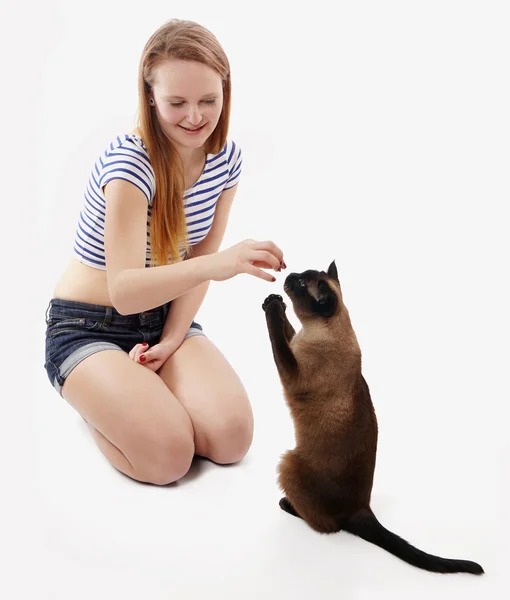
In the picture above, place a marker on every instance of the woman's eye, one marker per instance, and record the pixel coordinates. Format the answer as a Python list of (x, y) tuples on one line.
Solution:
[(178, 104)]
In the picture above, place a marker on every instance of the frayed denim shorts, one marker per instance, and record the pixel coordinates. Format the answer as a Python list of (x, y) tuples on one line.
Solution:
[(75, 330)]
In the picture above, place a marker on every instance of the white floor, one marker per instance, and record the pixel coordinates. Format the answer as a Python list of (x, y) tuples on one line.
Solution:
[(219, 532), (383, 143)]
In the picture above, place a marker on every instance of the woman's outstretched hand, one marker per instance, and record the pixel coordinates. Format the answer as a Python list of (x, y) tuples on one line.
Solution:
[(249, 257)]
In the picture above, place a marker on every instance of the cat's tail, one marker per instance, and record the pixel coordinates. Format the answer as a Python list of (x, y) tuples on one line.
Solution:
[(365, 525)]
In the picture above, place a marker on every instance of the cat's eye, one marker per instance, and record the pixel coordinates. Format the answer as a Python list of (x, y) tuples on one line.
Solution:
[(302, 282)]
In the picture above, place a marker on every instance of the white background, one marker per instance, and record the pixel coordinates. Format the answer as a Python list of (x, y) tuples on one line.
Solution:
[(373, 133)]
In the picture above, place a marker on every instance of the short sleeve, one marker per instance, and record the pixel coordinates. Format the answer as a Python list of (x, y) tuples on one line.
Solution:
[(234, 161), (129, 162)]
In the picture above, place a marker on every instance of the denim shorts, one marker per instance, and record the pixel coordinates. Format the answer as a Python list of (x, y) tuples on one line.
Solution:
[(75, 330)]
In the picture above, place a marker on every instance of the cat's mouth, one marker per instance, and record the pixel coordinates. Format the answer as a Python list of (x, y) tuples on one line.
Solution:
[(287, 285), (294, 284)]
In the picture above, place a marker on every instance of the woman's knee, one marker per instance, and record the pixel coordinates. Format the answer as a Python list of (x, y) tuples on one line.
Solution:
[(229, 439), (165, 458)]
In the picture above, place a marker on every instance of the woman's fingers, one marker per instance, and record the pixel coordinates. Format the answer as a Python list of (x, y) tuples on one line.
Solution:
[(271, 247), (252, 270), (264, 256), (140, 354), (137, 352), (261, 265)]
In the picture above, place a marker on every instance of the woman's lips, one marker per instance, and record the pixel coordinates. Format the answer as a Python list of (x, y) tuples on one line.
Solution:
[(192, 131)]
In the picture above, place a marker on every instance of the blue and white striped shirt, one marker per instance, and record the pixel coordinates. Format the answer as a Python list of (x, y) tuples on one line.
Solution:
[(127, 158)]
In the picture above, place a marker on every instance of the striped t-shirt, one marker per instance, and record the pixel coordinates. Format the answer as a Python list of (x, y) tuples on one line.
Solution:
[(127, 158)]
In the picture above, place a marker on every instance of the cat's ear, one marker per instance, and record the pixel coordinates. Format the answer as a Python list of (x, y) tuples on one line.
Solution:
[(327, 301), (332, 272)]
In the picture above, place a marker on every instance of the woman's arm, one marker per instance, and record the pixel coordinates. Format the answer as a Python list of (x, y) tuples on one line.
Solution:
[(184, 308), (134, 288)]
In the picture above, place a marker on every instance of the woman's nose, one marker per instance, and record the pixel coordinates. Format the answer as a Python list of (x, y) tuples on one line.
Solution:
[(194, 115)]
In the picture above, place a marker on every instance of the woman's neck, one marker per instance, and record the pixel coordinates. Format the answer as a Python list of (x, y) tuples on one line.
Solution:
[(191, 157)]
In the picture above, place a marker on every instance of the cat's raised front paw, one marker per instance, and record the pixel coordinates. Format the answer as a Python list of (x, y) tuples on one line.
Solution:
[(273, 298)]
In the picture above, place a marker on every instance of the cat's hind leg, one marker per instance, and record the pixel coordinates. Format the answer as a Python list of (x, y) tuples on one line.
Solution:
[(287, 507), (307, 494)]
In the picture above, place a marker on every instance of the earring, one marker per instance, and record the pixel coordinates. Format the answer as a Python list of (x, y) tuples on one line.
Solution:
[(151, 101)]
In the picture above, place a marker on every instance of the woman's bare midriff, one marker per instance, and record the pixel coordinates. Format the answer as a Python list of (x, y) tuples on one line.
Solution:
[(84, 284)]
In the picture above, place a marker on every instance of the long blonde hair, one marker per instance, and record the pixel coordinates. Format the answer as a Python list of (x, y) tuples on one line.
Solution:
[(183, 40)]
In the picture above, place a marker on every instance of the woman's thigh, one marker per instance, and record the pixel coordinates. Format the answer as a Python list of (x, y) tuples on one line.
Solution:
[(214, 397), (133, 409)]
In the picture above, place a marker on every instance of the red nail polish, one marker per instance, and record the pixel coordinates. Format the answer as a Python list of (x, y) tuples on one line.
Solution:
[(142, 358), (145, 344)]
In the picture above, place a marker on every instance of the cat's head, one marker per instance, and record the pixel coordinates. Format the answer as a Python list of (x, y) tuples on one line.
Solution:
[(315, 293)]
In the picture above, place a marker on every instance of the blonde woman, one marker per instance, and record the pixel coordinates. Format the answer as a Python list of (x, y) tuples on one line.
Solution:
[(122, 346)]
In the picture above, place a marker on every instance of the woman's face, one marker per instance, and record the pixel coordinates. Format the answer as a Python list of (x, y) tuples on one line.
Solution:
[(189, 99)]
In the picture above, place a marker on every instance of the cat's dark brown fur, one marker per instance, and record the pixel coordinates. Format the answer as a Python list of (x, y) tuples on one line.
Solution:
[(327, 479)]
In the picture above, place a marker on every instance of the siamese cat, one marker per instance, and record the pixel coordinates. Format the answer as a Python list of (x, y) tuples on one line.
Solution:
[(327, 479)]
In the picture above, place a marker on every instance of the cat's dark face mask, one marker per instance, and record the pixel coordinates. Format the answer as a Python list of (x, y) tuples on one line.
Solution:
[(312, 292)]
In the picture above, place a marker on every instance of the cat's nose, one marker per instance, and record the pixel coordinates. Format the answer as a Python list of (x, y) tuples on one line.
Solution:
[(291, 277), (290, 280)]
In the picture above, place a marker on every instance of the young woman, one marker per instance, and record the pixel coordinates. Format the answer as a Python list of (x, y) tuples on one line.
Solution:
[(122, 346)]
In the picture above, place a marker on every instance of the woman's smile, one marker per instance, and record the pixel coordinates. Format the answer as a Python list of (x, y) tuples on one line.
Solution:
[(192, 131)]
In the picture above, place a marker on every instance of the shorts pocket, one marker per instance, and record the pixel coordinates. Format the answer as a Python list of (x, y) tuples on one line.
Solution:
[(59, 326)]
